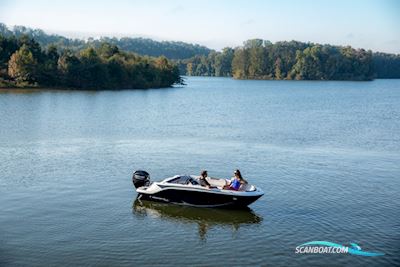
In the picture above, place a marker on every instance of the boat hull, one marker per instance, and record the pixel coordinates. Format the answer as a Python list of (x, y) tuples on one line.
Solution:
[(201, 198)]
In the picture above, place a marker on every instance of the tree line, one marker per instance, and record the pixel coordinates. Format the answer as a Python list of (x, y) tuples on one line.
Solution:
[(255, 59), (142, 46), (260, 59), (386, 66), (24, 63)]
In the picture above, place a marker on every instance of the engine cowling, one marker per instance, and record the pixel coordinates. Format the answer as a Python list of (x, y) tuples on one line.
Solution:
[(140, 178)]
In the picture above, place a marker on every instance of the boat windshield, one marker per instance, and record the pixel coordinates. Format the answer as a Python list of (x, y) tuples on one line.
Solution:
[(184, 179)]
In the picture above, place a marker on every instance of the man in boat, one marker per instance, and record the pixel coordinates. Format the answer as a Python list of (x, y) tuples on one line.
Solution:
[(202, 179)]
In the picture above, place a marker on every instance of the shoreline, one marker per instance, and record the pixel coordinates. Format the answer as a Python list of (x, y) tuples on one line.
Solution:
[(16, 89), (37, 89)]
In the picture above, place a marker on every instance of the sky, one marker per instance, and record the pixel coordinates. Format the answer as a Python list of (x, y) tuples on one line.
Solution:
[(369, 24)]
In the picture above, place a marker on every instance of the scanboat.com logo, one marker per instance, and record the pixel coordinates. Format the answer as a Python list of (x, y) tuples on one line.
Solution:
[(323, 247)]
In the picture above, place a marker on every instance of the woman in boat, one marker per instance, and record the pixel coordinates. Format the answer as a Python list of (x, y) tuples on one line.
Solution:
[(236, 181)]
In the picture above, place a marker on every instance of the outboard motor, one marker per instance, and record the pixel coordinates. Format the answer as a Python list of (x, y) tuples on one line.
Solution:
[(141, 178)]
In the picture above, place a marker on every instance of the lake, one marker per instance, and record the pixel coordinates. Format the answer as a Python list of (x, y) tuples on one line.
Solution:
[(326, 154)]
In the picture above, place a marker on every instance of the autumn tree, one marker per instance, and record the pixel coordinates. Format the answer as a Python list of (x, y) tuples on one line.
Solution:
[(22, 66)]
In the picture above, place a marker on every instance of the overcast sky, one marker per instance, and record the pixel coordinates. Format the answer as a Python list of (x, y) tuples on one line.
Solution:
[(370, 24)]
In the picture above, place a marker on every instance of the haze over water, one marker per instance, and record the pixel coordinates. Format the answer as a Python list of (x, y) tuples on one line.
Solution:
[(326, 155)]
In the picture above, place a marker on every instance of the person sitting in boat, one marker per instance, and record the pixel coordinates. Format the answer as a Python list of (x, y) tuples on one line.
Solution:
[(202, 179), (235, 182)]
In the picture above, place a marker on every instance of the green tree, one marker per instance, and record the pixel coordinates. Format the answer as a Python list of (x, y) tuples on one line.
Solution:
[(49, 74), (223, 62), (93, 72), (256, 58), (69, 67), (117, 71), (33, 46), (107, 50), (240, 64)]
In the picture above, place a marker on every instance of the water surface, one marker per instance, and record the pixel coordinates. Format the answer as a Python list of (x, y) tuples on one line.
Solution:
[(326, 154)]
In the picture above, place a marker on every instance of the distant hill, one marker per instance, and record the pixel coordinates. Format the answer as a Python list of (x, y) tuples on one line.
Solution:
[(142, 46)]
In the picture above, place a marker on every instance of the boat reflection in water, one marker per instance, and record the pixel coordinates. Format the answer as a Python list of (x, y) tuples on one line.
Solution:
[(206, 218)]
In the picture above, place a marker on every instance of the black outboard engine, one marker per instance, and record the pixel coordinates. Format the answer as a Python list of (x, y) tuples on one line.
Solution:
[(141, 178)]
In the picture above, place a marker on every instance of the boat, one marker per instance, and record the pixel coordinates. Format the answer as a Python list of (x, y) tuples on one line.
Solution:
[(186, 190)]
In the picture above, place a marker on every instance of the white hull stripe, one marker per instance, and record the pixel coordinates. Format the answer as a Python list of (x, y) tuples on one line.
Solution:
[(163, 187)]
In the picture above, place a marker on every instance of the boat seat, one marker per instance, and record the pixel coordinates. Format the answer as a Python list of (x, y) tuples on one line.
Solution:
[(220, 183), (216, 182), (247, 188)]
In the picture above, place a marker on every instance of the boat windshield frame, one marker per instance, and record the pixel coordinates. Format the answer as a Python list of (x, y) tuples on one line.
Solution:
[(182, 180)]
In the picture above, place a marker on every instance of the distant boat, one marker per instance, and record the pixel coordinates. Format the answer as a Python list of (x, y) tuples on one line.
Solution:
[(186, 190)]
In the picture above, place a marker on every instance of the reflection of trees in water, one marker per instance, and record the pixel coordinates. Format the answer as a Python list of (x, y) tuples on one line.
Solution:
[(205, 218)]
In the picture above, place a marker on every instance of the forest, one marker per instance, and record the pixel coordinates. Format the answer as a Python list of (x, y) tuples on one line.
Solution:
[(33, 58), (24, 63), (260, 59)]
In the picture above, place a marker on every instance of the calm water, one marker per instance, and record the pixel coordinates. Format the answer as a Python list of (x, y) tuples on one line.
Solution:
[(327, 155)]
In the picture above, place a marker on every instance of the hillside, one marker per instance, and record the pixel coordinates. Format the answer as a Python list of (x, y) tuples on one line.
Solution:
[(142, 46)]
